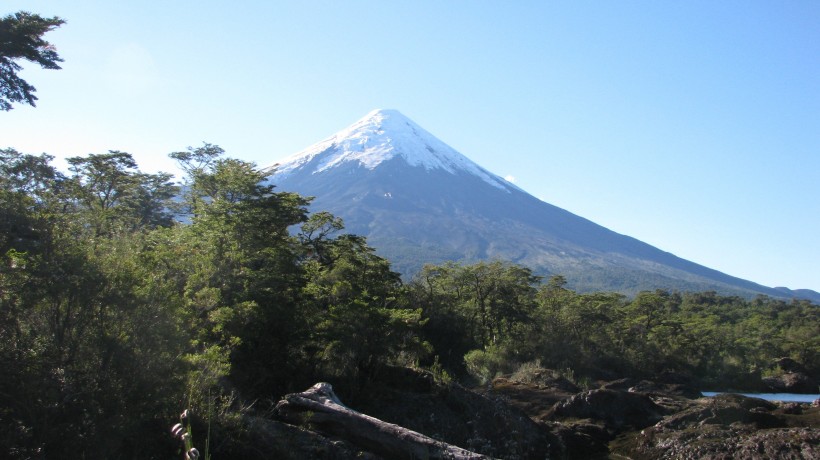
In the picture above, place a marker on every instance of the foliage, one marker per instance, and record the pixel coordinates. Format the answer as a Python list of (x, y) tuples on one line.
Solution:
[(473, 306), (486, 364), (114, 317), (21, 38), (78, 316), (716, 341)]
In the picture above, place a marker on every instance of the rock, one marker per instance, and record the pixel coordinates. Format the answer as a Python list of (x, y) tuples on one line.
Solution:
[(486, 423), (792, 408), (620, 384), (637, 386), (535, 401), (791, 382), (720, 443), (447, 413), (653, 388), (618, 410), (729, 426), (581, 440), (671, 377), (725, 409)]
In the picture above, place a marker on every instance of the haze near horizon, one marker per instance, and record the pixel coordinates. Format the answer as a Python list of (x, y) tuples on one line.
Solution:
[(692, 127)]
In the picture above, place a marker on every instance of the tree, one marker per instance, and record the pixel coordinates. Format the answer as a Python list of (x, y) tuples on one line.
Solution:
[(21, 38), (27, 183), (114, 194), (237, 264), (363, 320), (484, 306), (88, 331)]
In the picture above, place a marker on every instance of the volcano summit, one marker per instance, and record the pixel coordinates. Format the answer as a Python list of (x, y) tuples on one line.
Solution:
[(418, 200)]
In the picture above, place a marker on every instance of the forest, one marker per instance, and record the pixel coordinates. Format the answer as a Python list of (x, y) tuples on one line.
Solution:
[(126, 298)]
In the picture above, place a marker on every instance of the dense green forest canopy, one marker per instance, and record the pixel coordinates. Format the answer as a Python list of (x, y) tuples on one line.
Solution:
[(115, 316)]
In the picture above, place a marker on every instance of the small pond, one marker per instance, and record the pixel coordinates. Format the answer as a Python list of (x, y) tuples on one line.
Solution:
[(785, 397)]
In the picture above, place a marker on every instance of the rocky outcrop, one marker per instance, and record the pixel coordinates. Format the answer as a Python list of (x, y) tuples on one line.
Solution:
[(617, 410), (483, 422), (649, 420), (789, 376), (411, 414), (534, 400), (726, 409), (719, 443), (652, 388), (728, 426), (791, 382)]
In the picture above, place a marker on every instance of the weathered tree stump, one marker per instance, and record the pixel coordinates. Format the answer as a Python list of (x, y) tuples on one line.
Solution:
[(321, 410)]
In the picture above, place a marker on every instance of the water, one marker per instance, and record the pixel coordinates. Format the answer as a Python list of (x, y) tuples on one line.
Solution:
[(784, 397)]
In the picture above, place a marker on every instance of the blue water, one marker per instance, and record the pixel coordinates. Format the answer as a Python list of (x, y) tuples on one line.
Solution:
[(785, 397)]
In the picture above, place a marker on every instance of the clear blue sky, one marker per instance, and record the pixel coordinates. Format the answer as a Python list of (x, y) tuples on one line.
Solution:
[(693, 126)]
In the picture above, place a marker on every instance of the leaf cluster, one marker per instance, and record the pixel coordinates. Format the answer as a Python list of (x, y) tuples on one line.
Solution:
[(506, 320), (21, 37), (124, 299)]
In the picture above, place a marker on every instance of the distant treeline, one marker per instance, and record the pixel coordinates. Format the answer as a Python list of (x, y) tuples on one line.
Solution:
[(114, 316)]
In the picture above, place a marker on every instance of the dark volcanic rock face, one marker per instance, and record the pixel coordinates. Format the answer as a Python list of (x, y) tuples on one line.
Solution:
[(618, 410), (791, 382), (729, 426), (653, 388), (720, 443), (484, 424), (726, 409), (534, 400), (523, 420)]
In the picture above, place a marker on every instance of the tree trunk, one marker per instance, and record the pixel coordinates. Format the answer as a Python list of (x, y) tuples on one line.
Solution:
[(320, 408)]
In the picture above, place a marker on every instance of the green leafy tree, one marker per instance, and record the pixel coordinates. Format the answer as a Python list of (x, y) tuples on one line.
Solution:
[(439, 291), (475, 307), (114, 195), (240, 272), (27, 185), (21, 37), (89, 334), (359, 304)]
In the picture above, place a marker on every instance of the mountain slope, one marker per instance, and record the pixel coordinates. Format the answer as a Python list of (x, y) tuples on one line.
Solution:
[(419, 201)]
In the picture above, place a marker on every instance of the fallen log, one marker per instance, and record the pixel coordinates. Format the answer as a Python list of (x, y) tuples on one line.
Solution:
[(320, 409)]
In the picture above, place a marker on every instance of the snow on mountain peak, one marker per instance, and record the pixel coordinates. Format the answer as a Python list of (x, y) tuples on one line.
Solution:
[(379, 136)]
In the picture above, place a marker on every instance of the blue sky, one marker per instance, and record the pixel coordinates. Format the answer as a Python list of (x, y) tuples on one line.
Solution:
[(693, 126)]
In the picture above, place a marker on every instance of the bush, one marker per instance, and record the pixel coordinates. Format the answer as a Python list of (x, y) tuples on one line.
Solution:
[(485, 365)]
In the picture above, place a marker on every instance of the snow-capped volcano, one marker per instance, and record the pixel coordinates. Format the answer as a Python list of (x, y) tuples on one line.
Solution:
[(380, 136), (419, 201)]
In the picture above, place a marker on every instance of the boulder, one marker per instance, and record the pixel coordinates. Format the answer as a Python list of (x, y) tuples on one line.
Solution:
[(617, 410), (729, 426), (535, 401), (487, 423), (720, 443), (791, 382), (725, 409), (581, 440), (647, 387), (620, 384)]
